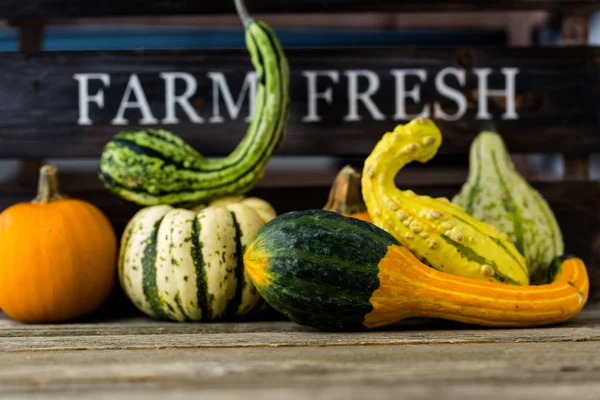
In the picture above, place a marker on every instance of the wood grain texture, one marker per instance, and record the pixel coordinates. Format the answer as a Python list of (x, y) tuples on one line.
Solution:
[(321, 388), (557, 92), (577, 166), (102, 8), (426, 371), (144, 333), (420, 358)]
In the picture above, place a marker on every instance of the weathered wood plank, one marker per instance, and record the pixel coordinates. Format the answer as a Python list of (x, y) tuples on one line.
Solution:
[(275, 339), (577, 166), (319, 388), (571, 201), (423, 359), (101, 8), (126, 334), (494, 370), (279, 174), (556, 93), (31, 37)]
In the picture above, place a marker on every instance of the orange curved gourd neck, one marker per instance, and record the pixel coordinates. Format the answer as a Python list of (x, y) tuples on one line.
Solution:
[(48, 187), (409, 288)]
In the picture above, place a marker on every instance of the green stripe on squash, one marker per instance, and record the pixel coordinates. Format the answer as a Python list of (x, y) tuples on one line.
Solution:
[(234, 303), (149, 273), (184, 265), (200, 266), (497, 194), (315, 279)]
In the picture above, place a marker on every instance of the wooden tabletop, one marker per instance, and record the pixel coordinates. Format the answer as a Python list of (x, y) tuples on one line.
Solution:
[(423, 359)]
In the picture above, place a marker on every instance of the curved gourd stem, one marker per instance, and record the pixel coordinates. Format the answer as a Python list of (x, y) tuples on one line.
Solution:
[(48, 188), (439, 233), (243, 13), (409, 288)]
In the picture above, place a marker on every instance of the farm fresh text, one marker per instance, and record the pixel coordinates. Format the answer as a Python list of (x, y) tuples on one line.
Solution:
[(353, 91)]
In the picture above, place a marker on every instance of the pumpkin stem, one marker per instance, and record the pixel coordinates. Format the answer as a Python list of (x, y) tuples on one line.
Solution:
[(48, 185), (345, 196)]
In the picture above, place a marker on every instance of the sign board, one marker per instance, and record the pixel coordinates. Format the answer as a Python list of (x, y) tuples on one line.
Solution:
[(359, 88), (342, 101)]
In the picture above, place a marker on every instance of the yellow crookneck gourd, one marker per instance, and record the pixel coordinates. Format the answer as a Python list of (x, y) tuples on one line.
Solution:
[(436, 231)]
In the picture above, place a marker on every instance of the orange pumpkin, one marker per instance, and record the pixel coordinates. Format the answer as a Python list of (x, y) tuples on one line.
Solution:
[(57, 256), (345, 196)]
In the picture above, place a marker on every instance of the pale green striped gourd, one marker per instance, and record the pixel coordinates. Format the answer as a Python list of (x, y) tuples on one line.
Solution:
[(497, 194), (187, 264), (154, 167)]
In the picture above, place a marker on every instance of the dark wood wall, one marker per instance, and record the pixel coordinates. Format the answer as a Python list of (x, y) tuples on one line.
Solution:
[(14, 9), (556, 101)]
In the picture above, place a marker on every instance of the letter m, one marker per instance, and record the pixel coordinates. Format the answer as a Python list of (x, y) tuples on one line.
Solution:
[(220, 87)]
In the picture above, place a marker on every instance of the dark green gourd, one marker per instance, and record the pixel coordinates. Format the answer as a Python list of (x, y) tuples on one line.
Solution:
[(157, 167)]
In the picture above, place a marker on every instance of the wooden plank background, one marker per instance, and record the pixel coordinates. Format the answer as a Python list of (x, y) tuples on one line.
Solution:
[(15, 9), (558, 99)]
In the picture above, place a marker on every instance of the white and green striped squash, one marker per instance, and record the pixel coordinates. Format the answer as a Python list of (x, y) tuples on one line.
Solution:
[(187, 264), (497, 194)]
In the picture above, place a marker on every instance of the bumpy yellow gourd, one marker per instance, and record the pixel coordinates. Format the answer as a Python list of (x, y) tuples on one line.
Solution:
[(438, 232)]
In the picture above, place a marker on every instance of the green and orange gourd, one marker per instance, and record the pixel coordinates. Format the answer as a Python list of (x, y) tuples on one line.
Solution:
[(332, 272), (421, 257)]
